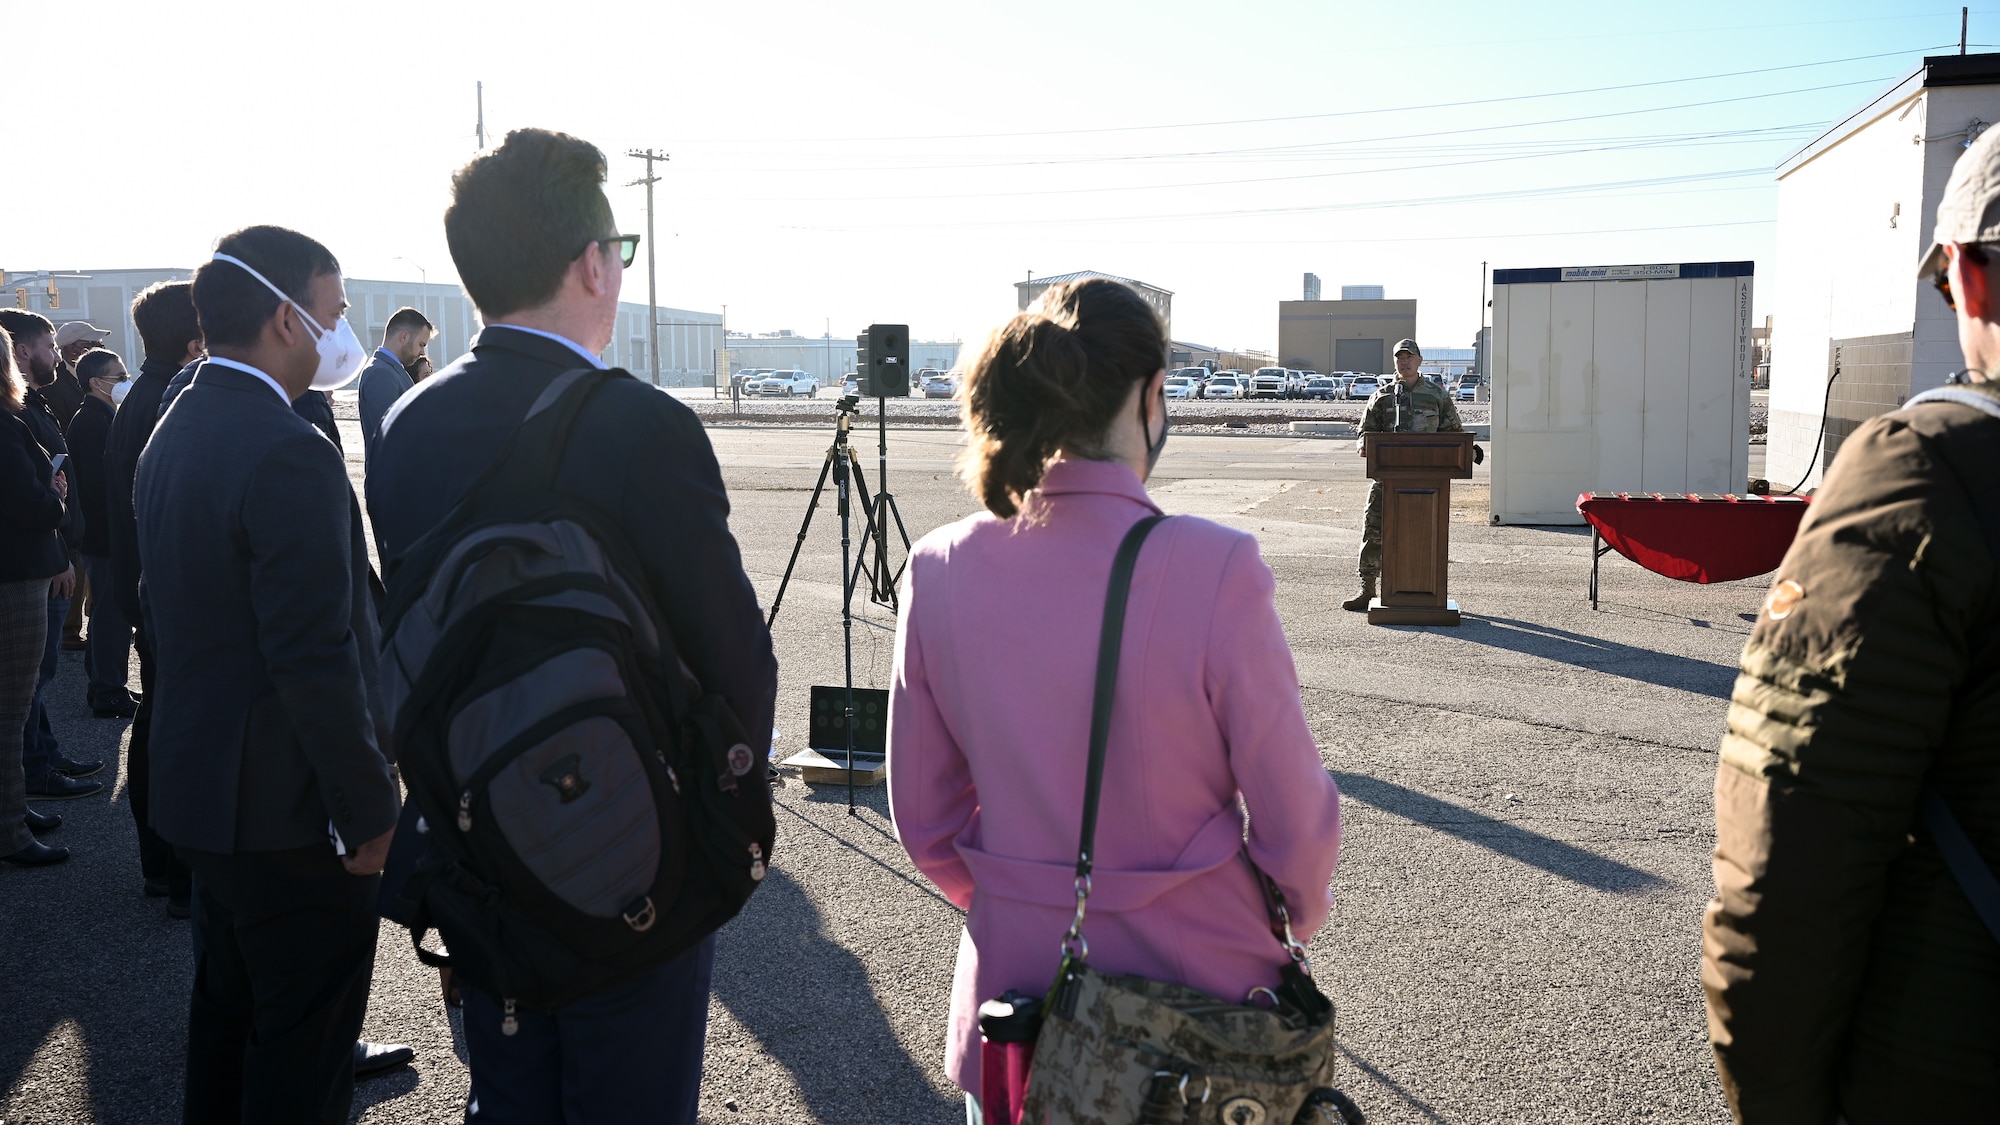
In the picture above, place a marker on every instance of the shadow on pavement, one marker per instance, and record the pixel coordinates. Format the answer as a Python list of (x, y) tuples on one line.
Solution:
[(1599, 655), (813, 1009), (1511, 840), (1387, 1083)]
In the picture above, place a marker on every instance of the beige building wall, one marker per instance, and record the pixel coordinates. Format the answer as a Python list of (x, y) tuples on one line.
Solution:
[(1343, 335)]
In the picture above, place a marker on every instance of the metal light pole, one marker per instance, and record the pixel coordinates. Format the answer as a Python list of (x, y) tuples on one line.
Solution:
[(423, 277), (652, 276)]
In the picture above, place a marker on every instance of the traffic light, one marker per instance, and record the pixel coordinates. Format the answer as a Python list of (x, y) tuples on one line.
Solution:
[(55, 298), (882, 357)]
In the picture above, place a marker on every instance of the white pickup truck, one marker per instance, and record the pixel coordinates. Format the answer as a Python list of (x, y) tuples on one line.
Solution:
[(785, 384)]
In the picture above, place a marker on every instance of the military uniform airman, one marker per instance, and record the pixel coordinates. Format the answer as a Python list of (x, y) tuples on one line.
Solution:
[(1409, 404)]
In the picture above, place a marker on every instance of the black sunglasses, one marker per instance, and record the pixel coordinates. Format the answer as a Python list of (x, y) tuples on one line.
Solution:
[(628, 246), (1972, 254)]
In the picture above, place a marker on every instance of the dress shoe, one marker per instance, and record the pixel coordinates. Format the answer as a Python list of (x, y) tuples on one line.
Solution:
[(180, 909), (69, 767), (36, 854), (114, 708), (39, 823), (53, 786), (74, 644), (371, 1059), (156, 888)]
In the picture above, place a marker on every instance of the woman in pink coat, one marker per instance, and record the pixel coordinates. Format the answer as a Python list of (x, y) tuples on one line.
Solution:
[(995, 661)]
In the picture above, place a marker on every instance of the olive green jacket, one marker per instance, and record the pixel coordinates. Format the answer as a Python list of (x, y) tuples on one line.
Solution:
[(1427, 410), (1844, 969)]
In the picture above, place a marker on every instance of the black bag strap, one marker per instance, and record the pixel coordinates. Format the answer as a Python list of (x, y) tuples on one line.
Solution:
[(1974, 877), (527, 463), (1110, 639)]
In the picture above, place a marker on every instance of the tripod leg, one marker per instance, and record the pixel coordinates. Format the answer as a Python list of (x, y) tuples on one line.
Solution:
[(805, 524), (846, 618), (864, 564)]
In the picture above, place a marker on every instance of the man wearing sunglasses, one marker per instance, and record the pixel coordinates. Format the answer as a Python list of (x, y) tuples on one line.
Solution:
[(532, 235), (1851, 955)]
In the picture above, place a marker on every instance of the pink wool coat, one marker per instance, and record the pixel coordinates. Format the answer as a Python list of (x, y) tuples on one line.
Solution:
[(990, 730)]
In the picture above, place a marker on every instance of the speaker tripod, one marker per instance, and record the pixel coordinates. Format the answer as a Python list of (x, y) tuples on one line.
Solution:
[(844, 465)]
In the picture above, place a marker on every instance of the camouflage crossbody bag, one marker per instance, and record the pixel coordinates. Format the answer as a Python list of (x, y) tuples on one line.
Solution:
[(1124, 1050)]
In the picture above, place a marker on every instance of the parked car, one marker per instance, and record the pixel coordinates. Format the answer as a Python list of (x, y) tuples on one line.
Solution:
[(785, 384), (937, 384), (1181, 386), (1268, 382), (1468, 388), (1322, 387), (1198, 376), (1363, 386), (1226, 386), (852, 386)]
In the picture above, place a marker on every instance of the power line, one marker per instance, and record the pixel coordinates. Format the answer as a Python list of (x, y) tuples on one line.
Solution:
[(1344, 113), (1322, 208)]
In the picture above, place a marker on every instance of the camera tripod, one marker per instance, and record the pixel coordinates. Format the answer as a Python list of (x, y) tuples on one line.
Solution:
[(843, 465)]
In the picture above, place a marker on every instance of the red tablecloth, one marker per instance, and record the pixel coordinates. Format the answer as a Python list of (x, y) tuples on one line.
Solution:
[(1696, 538)]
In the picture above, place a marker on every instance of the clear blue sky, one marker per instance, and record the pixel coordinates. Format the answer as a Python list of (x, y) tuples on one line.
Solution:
[(910, 161)]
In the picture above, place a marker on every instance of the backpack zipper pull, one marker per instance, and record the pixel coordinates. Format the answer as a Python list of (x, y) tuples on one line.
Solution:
[(757, 870), (508, 1024), (465, 813)]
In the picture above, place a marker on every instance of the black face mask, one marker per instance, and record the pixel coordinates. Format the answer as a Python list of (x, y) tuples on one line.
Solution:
[(1153, 450)]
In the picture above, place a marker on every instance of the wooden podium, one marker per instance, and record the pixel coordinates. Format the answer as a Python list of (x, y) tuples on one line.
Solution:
[(1416, 471)]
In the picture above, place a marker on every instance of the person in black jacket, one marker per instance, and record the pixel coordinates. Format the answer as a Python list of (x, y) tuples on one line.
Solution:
[(314, 406), (51, 776), (110, 656), (165, 317), (32, 506), (255, 593), (531, 233)]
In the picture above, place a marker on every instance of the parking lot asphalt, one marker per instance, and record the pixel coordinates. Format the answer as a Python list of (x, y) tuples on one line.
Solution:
[(1516, 933)]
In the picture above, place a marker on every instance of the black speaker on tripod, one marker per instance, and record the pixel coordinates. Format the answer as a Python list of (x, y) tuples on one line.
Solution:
[(882, 356)]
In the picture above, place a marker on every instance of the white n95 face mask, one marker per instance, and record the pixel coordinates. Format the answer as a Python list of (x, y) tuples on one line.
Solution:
[(340, 353), (119, 390)]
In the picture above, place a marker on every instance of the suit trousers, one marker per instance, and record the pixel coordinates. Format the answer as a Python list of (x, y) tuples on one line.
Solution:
[(39, 748), (110, 649), (157, 859), (24, 614), (284, 945), (632, 1053)]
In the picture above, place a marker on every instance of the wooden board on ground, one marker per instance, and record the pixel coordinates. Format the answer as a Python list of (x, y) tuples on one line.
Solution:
[(816, 768)]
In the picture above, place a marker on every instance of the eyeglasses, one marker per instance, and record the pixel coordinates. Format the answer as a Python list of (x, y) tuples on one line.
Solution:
[(1972, 254), (628, 247)]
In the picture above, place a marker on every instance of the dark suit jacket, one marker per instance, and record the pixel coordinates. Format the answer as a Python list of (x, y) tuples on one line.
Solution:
[(314, 406), (635, 453), (41, 420), (131, 428), (88, 431), (383, 381), (255, 575)]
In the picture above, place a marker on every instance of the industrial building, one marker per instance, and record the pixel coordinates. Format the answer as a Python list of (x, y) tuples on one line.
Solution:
[(825, 357), (1856, 208), (1026, 292), (1343, 335), (1181, 353), (688, 340), (1448, 363)]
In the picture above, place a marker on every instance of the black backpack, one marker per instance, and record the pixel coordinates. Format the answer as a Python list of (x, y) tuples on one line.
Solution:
[(589, 811)]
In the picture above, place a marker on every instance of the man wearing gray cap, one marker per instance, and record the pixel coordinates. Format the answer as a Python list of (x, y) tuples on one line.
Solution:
[(1410, 404), (67, 393), (1851, 955)]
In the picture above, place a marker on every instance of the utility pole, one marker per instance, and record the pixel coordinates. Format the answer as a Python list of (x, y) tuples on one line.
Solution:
[(1963, 15), (652, 278), (479, 96)]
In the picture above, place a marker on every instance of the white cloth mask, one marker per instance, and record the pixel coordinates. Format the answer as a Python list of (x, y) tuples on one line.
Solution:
[(340, 352), (119, 390)]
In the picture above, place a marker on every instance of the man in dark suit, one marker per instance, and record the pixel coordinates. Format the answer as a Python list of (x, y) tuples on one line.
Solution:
[(268, 776), (387, 376), (531, 233), (110, 657), (164, 315)]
